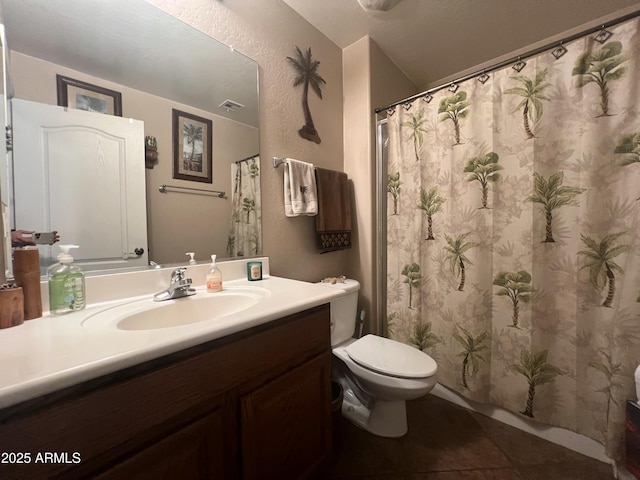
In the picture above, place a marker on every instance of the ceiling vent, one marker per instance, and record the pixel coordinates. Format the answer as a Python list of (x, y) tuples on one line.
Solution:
[(231, 106)]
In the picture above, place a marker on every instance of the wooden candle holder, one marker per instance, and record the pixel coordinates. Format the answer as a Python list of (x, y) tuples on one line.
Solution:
[(11, 307)]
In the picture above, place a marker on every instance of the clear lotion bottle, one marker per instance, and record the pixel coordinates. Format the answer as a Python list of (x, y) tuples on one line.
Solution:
[(66, 284), (214, 277)]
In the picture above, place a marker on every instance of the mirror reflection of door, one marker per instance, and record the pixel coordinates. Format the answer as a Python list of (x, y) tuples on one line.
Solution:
[(82, 174), (6, 268)]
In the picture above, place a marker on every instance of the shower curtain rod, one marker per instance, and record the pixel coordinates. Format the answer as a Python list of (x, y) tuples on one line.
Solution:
[(517, 58), (248, 158)]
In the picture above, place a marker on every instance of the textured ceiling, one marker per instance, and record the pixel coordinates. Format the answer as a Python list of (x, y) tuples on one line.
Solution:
[(132, 43), (431, 40)]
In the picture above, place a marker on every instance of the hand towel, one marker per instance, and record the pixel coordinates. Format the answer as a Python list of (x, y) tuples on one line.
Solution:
[(300, 194), (333, 223)]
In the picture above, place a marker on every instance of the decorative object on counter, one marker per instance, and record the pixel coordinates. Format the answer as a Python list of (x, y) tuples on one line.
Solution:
[(26, 269), (214, 277), (66, 284), (11, 305), (334, 280), (84, 96), (307, 75), (192, 260), (333, 223), (300, 194), (192, 147), (254, 271), (150, 151)]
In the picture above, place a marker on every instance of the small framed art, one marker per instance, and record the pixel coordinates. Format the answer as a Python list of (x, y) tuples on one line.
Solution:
[(192, 157), (74, 93)]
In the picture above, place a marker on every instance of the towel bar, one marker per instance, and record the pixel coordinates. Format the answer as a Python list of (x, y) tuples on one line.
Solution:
[(201, 191)]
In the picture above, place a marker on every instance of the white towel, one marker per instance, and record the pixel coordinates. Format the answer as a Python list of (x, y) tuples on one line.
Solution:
[(300, 194)]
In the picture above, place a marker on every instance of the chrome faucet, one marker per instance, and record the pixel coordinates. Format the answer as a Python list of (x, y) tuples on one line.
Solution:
[(178, 287)]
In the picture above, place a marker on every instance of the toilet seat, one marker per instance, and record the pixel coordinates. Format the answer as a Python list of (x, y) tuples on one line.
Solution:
[(389, 357)]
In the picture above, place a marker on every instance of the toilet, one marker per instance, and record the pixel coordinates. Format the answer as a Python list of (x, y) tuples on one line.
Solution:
[(387, 373)]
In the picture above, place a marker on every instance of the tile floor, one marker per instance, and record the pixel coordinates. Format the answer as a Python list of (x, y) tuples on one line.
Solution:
[(448, 442)]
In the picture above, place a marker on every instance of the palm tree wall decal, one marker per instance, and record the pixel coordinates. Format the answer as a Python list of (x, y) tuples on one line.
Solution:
[(599, 260), (537, 371), (610, 370), (629, 146), (484, 169), (532, 93), (307, 75), (552, 195), (422, 336), (431, 203), (456, 249), (416, 130), (454, 108), (471, 353), (393, 187), (412, 272), (516, 286), (601, 67)]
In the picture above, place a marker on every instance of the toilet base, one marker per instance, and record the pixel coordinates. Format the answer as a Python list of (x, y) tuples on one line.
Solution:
[(388, 419)]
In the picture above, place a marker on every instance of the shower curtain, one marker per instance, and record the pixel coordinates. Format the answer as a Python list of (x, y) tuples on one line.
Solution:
[(513, 249), (246, 214)]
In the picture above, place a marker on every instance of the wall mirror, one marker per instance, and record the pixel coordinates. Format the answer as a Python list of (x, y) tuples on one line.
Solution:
[(128, 54)]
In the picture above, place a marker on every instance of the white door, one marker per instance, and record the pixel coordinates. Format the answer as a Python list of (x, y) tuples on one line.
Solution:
[(82, 174)]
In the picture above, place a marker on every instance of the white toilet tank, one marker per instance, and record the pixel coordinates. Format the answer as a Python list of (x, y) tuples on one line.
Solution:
[(343, 311)]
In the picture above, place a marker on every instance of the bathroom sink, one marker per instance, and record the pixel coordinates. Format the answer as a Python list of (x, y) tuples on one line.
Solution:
[(149, 315)]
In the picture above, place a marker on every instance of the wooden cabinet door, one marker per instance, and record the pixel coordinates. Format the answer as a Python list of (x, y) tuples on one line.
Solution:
[(286, 424), (195, 452)]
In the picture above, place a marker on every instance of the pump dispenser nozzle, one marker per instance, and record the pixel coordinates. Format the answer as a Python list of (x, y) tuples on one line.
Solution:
[(66, 284), (214, 277), (64, 256), (192, 261)]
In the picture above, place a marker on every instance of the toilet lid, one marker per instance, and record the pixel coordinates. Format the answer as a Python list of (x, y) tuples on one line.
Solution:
[(389, 357)]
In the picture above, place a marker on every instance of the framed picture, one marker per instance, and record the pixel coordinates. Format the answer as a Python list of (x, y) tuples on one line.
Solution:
[(84, 96), (191, 147)]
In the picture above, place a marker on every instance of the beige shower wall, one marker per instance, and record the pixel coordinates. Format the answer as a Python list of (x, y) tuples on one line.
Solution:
[(177, 222), (267, 32)]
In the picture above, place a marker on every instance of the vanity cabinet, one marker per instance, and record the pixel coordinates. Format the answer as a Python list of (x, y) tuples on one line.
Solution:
[(255, 404), (194, 451)]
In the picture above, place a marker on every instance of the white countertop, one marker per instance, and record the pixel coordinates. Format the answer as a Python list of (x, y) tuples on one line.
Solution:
[(49, 353)]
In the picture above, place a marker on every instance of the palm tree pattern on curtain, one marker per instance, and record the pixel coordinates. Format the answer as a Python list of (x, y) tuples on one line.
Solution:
[(246, 215), (513, 235)]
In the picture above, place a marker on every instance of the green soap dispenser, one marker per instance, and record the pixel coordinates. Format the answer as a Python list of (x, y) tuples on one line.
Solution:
[(66, 284)]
